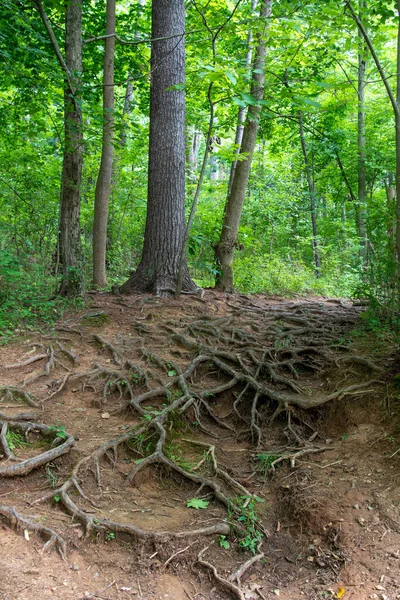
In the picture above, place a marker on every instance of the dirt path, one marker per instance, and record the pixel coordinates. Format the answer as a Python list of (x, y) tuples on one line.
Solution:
[(164, 431)]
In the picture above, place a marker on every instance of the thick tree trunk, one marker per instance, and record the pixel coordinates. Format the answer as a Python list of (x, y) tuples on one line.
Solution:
[(70, 231), (103, 185), (362, 171), (233, 209), (311, 191), (165, 222)]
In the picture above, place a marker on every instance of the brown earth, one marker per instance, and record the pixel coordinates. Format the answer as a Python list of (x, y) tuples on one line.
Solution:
[(325, 522)]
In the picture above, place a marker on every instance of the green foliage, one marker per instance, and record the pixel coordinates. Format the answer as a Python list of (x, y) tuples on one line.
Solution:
[(264, 462), (25, 291), (223, 542), (15, 440), (244, 518), (197, 503), (58, 431)]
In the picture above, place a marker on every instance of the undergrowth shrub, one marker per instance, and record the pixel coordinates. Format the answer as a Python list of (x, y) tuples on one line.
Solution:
[(26, 295)]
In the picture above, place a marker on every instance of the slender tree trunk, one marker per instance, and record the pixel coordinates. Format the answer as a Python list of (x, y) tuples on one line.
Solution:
[(165, 221), (233, 208), (395, 102), (126, 112), (70, 231), (242, 111), (362, 171), (390, 209), (103, 185), (311, 191), (193, 154)]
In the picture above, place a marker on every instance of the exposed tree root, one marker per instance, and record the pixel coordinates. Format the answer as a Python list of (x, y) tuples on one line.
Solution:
[(225, 583), (24, 467), (255, 370), (18, 521), (11, 393)]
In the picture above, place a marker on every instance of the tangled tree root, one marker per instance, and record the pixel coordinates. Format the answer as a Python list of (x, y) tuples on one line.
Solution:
[(265, 361)]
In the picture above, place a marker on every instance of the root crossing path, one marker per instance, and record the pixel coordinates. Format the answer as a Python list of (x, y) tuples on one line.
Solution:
[(144, 419)]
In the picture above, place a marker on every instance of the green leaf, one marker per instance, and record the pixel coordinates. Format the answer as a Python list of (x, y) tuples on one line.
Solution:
[(197, 503), (171, 373)]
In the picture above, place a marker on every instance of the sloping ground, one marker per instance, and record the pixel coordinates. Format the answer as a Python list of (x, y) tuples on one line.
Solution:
[(210, 448)]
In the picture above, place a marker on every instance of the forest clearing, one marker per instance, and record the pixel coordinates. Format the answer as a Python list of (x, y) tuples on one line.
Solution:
[(199, 299)]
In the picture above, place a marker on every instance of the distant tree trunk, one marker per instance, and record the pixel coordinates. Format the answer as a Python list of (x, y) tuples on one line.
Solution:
[(242, 111), (193, 153), (126, 111), (103, 185), (394, 98), (362, 170), (390, 208), (233, 208), (70, 230), (165, 221), (311, 191)]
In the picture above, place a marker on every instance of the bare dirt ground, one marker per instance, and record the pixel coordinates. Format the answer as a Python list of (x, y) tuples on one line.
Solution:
[(270, 414)]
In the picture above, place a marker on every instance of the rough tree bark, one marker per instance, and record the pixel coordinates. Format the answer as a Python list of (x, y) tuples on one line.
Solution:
[(69, 239), (233, 208), (165, 221), (70, 230), (103, 185), (311, 191), (362, 171)]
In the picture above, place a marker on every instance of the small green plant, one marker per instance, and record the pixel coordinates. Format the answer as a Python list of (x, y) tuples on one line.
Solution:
[(59, 431), (244, 519), (110, 536), (197, 503), (175, 453), (51, 475), (15, 440), (223, 542), (265, 460)]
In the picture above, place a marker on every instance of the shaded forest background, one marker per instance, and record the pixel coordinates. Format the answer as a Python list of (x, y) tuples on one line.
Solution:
[(311, 101)]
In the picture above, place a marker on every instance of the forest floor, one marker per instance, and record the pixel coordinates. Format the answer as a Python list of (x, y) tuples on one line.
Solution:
[(273, 418)]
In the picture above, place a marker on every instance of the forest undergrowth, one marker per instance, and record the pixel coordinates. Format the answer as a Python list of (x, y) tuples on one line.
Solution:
[(150, 421)]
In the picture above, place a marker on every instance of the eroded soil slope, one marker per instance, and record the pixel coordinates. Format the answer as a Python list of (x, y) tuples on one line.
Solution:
[(209, 447)]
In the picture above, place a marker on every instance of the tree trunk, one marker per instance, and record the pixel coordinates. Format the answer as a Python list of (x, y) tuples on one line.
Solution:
[(70, 231), (103, 185), (193, 153), (395, 102), (362, 171), (242, 111), (233, 208), (390, 209), (126, 111), (165, 221), (311, 191)]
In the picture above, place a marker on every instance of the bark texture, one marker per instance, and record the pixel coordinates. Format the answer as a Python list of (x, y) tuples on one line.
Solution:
[(103, 185), (233, 208), (70, 232), (165, 221)]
